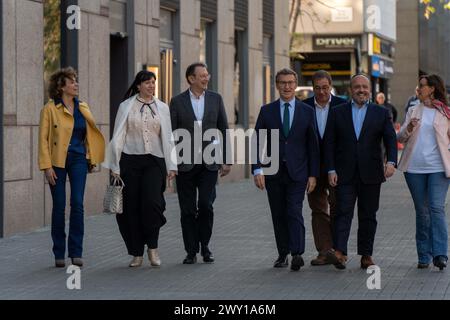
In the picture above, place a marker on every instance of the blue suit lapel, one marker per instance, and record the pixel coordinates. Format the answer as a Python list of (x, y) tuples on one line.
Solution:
[(276, 115), (296, 115), (366, 121), (349, 119)]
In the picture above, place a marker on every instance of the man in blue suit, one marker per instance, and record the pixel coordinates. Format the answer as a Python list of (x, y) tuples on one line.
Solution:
[(353, 157), (322, 200), (298, 167)]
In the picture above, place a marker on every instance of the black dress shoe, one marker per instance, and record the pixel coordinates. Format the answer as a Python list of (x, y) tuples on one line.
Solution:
[(281, 262), (297, 262), (77, 262), (440, 262), (60, 263), (190, 259), (208, 258), (207, 255)]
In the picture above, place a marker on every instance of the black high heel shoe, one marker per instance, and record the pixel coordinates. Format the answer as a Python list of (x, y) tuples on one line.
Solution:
[(440, 262)]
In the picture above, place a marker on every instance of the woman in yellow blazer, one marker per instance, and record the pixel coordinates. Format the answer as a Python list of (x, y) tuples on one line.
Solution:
[(69, 144)]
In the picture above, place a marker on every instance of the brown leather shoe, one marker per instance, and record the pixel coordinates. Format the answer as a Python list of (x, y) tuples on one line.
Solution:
[(320, 260), (337, 258), (366, 261)]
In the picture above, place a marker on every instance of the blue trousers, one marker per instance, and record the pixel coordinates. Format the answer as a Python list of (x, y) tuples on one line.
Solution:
[(368, 197), (286, 203), (76, 168), (428, 192)]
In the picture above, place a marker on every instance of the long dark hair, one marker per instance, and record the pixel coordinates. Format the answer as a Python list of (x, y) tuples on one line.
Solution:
[(142, 76), (437, 83)]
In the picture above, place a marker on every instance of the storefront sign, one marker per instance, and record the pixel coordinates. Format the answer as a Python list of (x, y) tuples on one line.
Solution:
[(334, 42), (381, 68), (380, 18), (378, 46), (342, 14), (335, 68)]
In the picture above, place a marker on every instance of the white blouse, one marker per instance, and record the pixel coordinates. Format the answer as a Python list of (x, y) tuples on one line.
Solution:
[(143, 130)]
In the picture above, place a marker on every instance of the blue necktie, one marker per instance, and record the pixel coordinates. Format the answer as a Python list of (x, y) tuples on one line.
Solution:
[(286, 120)]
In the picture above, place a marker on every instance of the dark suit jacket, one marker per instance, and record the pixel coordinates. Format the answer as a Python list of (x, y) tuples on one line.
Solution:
[(183, 117), (300, 149), (345, 154), (335, 101)]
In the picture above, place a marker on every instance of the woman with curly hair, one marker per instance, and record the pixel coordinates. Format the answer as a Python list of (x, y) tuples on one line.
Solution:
[(70, 144)]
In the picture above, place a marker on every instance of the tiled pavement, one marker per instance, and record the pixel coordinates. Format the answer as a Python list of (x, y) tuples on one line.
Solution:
[(244, 247)]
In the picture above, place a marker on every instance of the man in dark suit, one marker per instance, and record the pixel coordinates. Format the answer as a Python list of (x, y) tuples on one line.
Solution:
[(322, 200), (298, 166), (356, 168), (198, 110)]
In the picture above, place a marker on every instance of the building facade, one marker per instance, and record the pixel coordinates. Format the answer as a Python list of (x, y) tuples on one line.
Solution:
[(407, 55), (108, 41), (346, 37), (423, 47)]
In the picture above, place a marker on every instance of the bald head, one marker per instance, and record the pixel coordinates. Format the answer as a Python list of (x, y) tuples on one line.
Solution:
[(360, 88), (359, 77)]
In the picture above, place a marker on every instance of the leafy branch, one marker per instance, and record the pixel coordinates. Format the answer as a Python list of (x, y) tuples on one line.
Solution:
[(430, 6)]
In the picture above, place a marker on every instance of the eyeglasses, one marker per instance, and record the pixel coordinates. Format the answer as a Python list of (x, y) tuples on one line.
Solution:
[(205, 77), (287, 83), (324, 88)]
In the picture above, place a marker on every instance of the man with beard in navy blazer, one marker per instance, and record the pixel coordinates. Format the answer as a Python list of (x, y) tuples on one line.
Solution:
[(356, 167), (298, 166), (322, 200)]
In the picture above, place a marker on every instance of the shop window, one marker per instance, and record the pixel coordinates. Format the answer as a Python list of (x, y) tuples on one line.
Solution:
[(167, 44)]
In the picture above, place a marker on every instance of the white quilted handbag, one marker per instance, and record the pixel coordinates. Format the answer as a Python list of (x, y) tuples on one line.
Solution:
[(113, 201)]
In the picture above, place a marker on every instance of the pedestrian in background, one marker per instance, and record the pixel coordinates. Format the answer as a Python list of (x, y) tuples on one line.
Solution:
[(413, 100), (381, 100), (70, 144), (426, 165), (140, 153)]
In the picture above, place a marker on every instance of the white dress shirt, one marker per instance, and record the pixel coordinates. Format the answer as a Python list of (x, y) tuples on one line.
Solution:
[(198, 104), (322, 116)]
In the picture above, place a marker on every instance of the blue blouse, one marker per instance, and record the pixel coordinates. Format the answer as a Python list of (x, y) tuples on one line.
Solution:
[(77, 141)]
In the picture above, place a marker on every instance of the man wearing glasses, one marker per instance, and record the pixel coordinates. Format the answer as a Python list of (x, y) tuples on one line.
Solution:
[(298, 166), (198, 109), (322, 200)]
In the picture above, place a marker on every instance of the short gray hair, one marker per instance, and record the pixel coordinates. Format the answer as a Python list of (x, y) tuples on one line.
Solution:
[(285, 72)]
